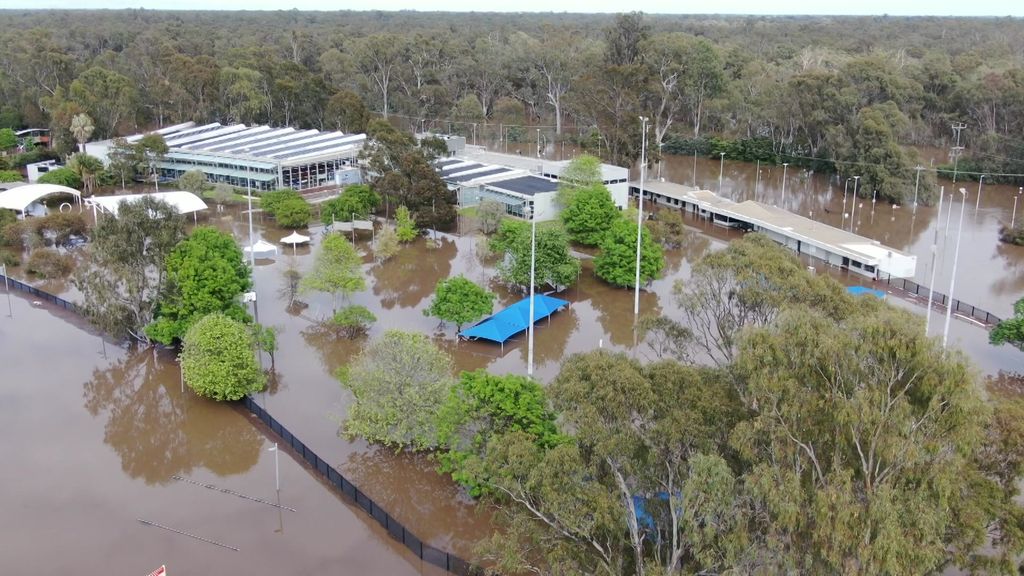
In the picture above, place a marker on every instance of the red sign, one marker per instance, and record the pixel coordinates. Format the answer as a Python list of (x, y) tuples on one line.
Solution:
[(161, 571)]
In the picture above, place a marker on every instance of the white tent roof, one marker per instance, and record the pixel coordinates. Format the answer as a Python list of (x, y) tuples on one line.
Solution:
[(294, 238), (19, 198), (183, 202), (260, 249)]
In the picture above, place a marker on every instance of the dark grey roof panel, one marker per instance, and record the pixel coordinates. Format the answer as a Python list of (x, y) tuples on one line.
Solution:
[(475, 175), (529, 185), (312, 149), (455, 170), (448, 162)]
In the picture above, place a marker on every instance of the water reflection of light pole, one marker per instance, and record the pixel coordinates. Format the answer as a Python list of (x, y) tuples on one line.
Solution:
[(277, 468), (694, 168), (977, 202), (640, 213), (757, 179), (785, 167), (721, 170), (1013, 216), (533, 271), (917, 184), (956, 258)]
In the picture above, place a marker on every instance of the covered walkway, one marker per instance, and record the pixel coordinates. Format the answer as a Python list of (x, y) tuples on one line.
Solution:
[(21, 197), (514, 319), (183, 202)]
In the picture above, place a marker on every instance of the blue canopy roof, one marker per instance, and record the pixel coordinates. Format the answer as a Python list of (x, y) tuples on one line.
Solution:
[(862, 290), (514, 319)]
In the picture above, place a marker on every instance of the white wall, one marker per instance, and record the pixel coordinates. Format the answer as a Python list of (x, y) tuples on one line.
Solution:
[(620, 194)]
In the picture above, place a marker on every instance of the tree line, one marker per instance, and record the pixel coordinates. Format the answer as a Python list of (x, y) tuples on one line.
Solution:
[(840, 89)]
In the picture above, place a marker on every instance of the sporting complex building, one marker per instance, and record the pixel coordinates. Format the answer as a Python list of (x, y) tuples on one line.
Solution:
[(261, 156), (518, 181)]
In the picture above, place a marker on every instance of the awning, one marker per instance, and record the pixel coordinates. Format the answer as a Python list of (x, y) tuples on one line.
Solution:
[(514, 319), (183, 202), (21, 197)]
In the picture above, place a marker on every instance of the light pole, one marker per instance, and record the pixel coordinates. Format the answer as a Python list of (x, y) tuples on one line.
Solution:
[(721, 170), (538, 142), (533, 272), (785, 167), (917, 184), (935, 252), (977, 201), (757, 179), (277, 468), (248, 194), (956, 258), (846, 190), (640, 213), (853, 211), (1013, 216), (694, 168)]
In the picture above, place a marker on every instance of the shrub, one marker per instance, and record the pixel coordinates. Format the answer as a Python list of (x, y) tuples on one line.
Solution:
[(62, 225), (405, 226), (1013, 235), (269, 201), (352, 321), (63, 176), (15, 234), (8, 258), (387, 245), (293, 213), (47, 263), (10, 176)]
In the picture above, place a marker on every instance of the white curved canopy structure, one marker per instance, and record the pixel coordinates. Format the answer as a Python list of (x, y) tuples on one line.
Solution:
[(183, 202), (21, 197)]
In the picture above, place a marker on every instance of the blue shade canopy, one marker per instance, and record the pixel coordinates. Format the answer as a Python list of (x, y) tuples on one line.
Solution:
[(514, 319), (862, 290)]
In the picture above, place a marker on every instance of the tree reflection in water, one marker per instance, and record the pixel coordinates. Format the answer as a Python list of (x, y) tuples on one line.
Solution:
[(158, 433), (412, 274)]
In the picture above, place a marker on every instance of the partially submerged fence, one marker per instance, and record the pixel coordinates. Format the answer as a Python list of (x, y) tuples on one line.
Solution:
[(396, 530), (962, 308), (422, 550)]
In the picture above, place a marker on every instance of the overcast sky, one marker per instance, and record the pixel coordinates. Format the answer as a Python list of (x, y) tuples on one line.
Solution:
[(859, 7)]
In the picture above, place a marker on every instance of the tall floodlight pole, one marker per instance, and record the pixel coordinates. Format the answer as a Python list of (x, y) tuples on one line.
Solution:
[(533, 272), (977, 201), (1013, 216), (785, 167), (853, 211), (248, 194), (956, 258), (846, 191), (721, 170), (935, 253), (640, 213), (917, 185), (538, 142)]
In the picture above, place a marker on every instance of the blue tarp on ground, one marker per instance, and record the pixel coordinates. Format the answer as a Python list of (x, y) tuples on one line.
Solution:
[(514, 319), (862, 290)]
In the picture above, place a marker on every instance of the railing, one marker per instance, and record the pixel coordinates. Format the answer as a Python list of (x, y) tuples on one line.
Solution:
[(396, 530), (959, 307)]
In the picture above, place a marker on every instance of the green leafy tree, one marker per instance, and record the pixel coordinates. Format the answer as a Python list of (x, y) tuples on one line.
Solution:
[(415, 184), (616, 264), (482, 406), (206, 273), (10, 176), (590, 214), (123, 273), (748, 285), (352, 321), (63, 176), (88, 168), (555, 266), (583, 172), (347, 112), (82, 128), (490, 213), (8, 140), (358, 199), (405, 227), (150, 150), (461, 301), (107, 96), (387, 245), (399, 381), (123, 160), (337, 270), (193, 181), (217, 359), (868, 428), (270, 201), (667, 229), (293, 213), (1010, 330)]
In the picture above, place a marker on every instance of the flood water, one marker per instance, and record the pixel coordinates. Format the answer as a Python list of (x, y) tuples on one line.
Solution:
[(307, 398), (94, 436)]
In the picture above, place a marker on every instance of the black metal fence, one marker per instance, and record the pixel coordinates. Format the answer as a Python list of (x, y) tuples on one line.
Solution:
[(396, 530), (962, 308), (19, 285)]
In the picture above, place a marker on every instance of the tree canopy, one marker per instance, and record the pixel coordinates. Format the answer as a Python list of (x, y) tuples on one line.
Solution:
[(554, 267), (616, 264), (217, 359), (461, 301), (589, 214), (337, 269), (1010, 330)]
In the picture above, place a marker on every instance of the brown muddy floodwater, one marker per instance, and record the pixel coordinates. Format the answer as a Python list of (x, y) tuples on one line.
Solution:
[(92, 443), (307, 398)]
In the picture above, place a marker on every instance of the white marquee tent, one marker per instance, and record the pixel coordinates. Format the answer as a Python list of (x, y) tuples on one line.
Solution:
[(21, 197), (183, 202)]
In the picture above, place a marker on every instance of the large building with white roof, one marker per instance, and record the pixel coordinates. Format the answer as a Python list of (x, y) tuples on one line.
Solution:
[(518, 181), (264, 157)]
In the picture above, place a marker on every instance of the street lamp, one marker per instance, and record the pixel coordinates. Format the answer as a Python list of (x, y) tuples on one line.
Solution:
[(935, 252), (533, 271), (977, 202), (956, 258), (757, 179), (846, 190), (853, 211), (721, 169), (248, 194), (640, 212), (277, 468), (538, 142), (785, 167), (917, 184), (1014, 215)]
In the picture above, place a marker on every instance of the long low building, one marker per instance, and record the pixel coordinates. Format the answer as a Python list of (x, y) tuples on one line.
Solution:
[(518, 181), (261, 156), (835, 246)]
